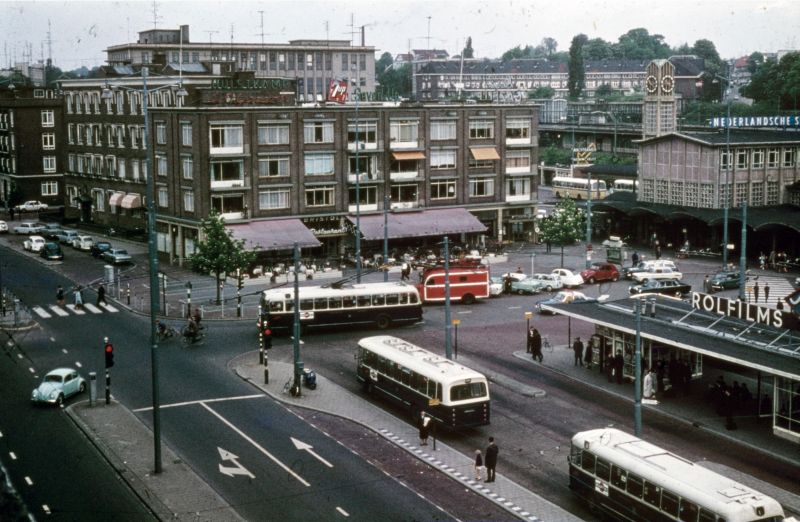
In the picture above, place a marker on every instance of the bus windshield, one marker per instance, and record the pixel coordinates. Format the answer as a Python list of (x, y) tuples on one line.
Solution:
[(463, 392)]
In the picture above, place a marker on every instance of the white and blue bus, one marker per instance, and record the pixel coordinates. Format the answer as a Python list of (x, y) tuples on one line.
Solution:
[(418, 380), (631, 479), (368, 304)]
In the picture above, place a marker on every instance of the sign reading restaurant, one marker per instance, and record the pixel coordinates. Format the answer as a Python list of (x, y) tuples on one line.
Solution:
[(743, 310), (755, 121)]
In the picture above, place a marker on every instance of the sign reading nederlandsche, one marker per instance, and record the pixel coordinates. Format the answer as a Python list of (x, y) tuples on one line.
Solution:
[(755, 121)]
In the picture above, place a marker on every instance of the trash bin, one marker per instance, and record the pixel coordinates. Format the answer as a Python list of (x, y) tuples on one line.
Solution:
[(310, 379)]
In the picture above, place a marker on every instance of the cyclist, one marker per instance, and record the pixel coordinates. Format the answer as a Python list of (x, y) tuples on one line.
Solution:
[(191, 330)]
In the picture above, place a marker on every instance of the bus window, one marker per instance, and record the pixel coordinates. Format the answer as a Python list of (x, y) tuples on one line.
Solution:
[(334, 302), (669, 503), (378, 300), (348, 301), (289, 306), (634, 485), (276, 306), (392, 299), (707, 516), (688, 512), (652, 494), (321, 303), (383, 365), (618, 477), (462, 392), (587, 462), (438, 391), (364, 301), (602, 470), (306, 304), (431, 281), (405, 376)]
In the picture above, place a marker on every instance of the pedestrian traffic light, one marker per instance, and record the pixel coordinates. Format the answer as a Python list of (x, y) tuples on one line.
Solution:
[(266, 333), (109, 351)]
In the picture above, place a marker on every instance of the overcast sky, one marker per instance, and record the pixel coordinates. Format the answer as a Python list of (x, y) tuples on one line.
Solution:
[(80, 31)]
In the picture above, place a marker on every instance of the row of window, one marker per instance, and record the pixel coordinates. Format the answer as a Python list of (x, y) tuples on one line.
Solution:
[(9, 165), (704, 195), (754, 158), (6, 120), (92, 102), (97, 164), (91, 134), (277, 60), (8, 143), (398, 373)]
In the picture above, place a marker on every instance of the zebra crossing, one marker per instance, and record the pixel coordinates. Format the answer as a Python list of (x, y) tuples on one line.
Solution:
[(67, 310), (779, 287)]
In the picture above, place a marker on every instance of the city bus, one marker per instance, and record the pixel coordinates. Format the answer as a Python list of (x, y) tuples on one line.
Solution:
[(631, 479), (576, 188), (625, 185), (367, 304), (419, 380)]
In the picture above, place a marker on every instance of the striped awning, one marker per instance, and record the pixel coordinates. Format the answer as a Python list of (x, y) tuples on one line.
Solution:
[(484, 153), (115, 199), (132, 201), (408, 155)]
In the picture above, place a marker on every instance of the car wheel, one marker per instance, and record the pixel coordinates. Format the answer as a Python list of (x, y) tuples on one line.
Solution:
[(549, 288), (591, 280), (644, 281), (678, 294), (60, 400), (615, 278), (520, 291), (82, 388)]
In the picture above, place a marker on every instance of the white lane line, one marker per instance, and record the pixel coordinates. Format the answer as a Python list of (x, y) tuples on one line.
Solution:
[(75, 310), (190, 403), (514, 307), (256, 445), (109, 308), (31, 370), (92, 308), (46, 509), (79, 365), (464, 312), (12, 455), (41, 312), (28, 481), (64, 351), (342, 511), (58, 311)]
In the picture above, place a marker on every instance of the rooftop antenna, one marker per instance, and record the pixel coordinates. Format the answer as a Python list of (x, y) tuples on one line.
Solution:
[(352, 29), (262, 27), (49, 45), (209, 35), (327, 30), (155, 14)]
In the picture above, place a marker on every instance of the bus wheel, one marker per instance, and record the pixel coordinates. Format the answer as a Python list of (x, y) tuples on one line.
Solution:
[(383, 321), (468, 299)]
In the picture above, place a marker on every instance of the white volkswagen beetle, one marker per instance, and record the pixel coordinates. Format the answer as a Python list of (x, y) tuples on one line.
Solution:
[(568, 277), (58, 385)]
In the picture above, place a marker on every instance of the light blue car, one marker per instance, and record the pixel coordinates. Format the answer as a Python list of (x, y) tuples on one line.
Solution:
[(528, 286), (58, 385)]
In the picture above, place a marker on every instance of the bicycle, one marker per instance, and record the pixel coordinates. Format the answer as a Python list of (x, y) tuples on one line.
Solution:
[(167, 333), (187, 338)]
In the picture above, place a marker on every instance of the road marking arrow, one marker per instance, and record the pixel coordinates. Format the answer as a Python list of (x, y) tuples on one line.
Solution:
[(236, 469), (302, 446)]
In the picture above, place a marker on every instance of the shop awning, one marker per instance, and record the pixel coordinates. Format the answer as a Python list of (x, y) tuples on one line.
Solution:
[(484, 153), (279, 234), (115, 199), (419, 224), (132, 201), (409, 155)]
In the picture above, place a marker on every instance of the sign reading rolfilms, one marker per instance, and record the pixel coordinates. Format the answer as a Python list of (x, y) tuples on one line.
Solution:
[(755, 121), (742, 310)]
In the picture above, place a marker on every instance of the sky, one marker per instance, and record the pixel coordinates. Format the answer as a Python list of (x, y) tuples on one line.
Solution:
[(80, 31)]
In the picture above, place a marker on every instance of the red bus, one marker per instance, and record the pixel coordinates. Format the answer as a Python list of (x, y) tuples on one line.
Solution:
[(469, 281)]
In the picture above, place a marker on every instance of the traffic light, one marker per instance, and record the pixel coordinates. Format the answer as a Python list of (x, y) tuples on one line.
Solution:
[(266, 333), (109, 351)]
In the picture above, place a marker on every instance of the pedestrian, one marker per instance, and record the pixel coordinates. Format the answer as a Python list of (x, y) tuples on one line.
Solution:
[(706, 285), (577, 348), (779, 306), (648, 390), (60, 295), (519, 270), (478, 464), (197, 317), (424, 428), (755, 291), (658, 251), (635, 259), (619, 364), (766, 292), (529, 346), (507, 284), (762, 261), (772, 259), (101, 295), (587, 358), (536, 348), (491, 459), (405, 271), (78, 296)]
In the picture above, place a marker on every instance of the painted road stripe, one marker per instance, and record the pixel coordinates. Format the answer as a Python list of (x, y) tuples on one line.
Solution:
[(190, 403), (75, 310), (12, 455), (342, 511), (28, 481), (41, 312), (58, 311), (92, 308), (109, 308), (46, 509)]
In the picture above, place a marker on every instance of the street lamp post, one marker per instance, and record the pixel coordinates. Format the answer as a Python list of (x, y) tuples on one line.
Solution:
[(589, 221), (448, 332), (385, 238), (358, 192), (743, 253), (533, 257), (728, 160)]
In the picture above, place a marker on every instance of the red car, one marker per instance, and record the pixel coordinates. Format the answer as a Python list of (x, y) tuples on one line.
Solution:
[(600, 272)]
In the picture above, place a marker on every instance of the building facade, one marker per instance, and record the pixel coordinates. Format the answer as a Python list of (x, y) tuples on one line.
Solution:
[(313, 63), (31, 145)]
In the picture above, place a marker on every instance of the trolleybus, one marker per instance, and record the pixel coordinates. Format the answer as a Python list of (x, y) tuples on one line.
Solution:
[(577, 188), (625, 185), (631, 479), (419, 380), (378, 304)]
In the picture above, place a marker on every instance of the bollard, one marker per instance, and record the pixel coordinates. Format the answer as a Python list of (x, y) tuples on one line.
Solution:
[(92, 388), (108, 387), (128, 292)]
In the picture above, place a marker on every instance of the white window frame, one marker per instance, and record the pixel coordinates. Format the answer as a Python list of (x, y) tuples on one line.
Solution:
[(163, 197), (48, 141), (273, 134), (48, 118), (274, 199), (48, 164), (443, 130), (314, 163), (443, 189), (186, 134), (161, 133), (188, 200), (481, 187), (266, 164), (481, 129), (226, 139), (187, 166), (326, 194), (49, 188), (318, 132), (443, 159)]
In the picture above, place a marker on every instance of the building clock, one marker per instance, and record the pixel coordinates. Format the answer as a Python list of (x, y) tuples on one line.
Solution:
[(667, 84), (651, 84)]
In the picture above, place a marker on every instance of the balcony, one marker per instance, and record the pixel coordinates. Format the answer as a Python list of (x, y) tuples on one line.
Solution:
[(398, 145), (518, 141), (227, 183), (363, 177), (518, 170), (362, 145)]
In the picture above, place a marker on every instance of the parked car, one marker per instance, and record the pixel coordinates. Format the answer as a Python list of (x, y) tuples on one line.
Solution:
[(83, 243), (67, 236), (657, 273), (600, 272), (568, 277), (52, 251), (117, 256), (99, 248), (31, 206), (51, 230), (58, 385), (724, 280), (27, 228), (528, 286), (549, 282), (642, 266), (495, 286), (516, 276), (34, 243), (666, 287), (3, 227), (566, 296)]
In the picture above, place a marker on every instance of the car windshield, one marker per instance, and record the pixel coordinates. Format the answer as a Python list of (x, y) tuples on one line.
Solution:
[(52, 378)]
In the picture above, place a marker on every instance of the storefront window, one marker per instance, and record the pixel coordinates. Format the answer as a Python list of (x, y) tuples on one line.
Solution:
[(787, 405)]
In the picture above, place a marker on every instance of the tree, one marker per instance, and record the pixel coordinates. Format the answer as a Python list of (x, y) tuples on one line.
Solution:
[(639, 44), (468, 52), (776, 84), (218, 253), (577, 74), (549, 45), (383, 63), (564, 226), (394, 83), (754, 61), (604, 90), (542, 93), (597, 49)]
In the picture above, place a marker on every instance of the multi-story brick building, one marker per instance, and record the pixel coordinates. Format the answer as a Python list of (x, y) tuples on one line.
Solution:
[(313, 63), (31, 145)]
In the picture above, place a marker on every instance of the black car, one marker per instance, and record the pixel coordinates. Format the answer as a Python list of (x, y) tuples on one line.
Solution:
[(99, 248), (52, 251), (662, 286), (724, 281)]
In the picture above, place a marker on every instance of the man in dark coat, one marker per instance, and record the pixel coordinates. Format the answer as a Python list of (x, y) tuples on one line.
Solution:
[(635, 259), (536, 346), (619, 363), (577, 348), (491, 459)]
